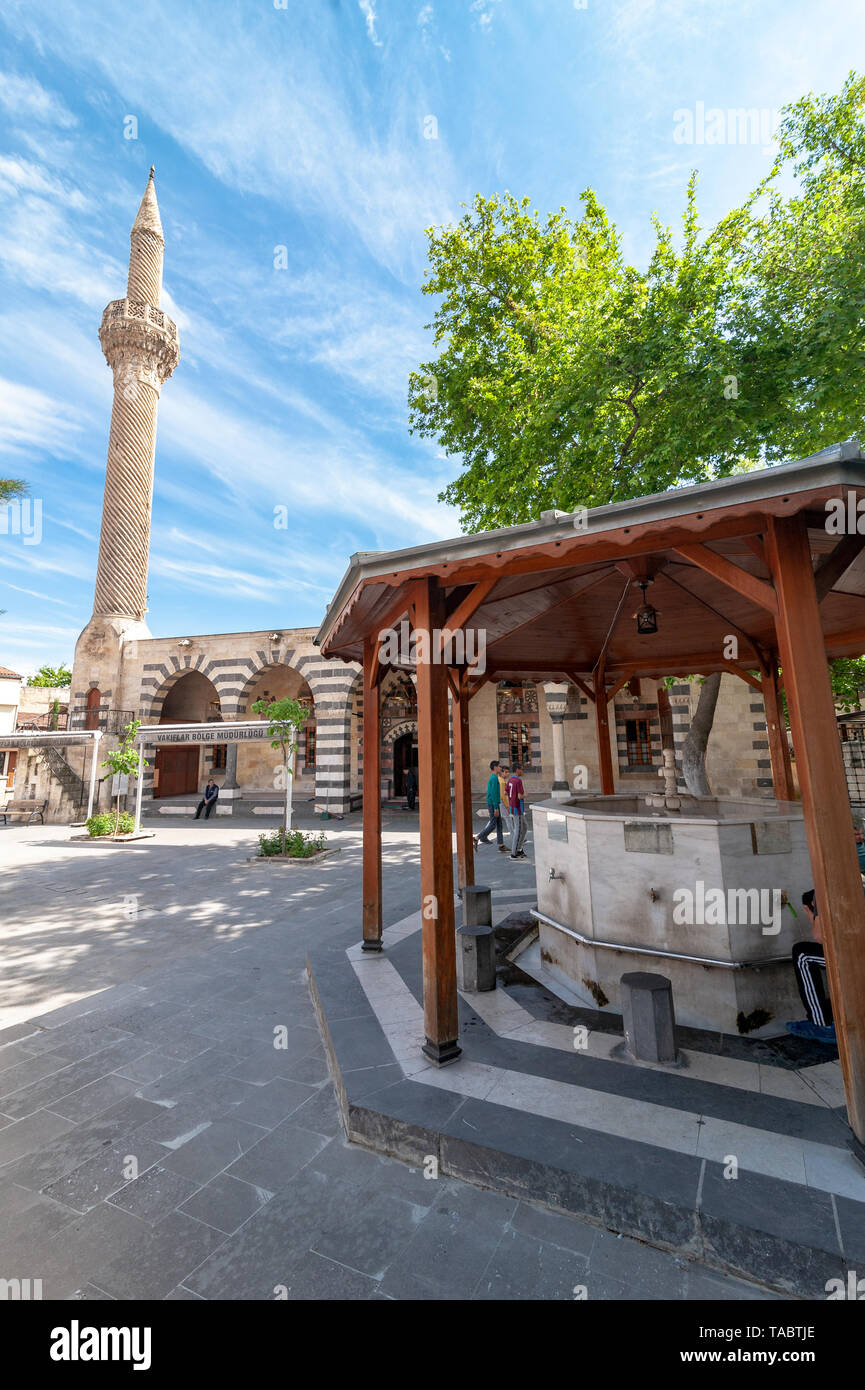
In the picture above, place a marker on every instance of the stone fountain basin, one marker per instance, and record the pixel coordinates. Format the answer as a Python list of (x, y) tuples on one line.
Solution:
[(619, 866)]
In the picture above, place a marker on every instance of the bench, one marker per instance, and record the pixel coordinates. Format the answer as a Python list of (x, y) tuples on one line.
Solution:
[(28, 809)]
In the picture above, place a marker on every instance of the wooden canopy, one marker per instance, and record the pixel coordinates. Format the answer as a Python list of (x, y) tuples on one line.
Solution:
[(772, 559)]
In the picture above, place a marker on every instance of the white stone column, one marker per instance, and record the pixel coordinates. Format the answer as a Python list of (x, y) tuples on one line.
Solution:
[(556, 695)]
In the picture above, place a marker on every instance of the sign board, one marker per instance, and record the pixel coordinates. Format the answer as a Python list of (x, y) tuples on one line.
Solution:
[(120, 784), (44, 740), (203, 733)]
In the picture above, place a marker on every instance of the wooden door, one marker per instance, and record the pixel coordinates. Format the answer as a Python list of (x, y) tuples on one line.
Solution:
[(178, 771)]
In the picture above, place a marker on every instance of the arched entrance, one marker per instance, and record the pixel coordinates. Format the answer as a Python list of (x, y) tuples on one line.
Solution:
[(404, 757), (258, 765), (177, 768), (398, 719)]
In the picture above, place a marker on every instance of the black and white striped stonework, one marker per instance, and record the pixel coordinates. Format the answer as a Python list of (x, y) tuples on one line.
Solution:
[(331, 683)]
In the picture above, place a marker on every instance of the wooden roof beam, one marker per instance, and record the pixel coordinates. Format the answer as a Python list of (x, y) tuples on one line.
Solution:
[(472, 690), (582, 686), (748, 585), (619, 685), (834, 565), (470, 604)]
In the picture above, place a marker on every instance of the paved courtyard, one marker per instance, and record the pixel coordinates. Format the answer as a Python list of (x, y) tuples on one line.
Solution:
[(154, 1143)]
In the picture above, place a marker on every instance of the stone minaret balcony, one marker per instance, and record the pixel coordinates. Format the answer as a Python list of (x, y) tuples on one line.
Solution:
[(135, 334)]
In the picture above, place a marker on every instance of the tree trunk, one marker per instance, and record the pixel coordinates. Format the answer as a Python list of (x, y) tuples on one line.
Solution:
[(284, 800), (694, 747)]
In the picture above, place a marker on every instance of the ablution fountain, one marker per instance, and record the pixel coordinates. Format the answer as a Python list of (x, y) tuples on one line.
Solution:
[(704, 890)]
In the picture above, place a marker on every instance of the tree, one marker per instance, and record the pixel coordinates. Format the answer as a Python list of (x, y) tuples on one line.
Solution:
[(565, 377), (11, 488), (568, 378), (123, 760), (52, 676), (284, 718), (848, 681)]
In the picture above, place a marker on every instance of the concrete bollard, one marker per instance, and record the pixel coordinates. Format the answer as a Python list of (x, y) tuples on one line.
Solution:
[(477, 906), (647, 1011), (476, 944)]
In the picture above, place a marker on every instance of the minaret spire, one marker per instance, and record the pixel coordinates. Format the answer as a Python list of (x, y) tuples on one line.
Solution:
[(142, 349), (147, 249)]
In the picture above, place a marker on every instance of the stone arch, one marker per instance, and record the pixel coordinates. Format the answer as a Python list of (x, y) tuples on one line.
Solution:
[(184, 696), (256, 763), (165, 678), (257, 664), (404, 726)]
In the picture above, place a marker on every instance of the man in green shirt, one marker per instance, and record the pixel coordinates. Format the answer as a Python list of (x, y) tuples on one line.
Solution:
[(494, 806)]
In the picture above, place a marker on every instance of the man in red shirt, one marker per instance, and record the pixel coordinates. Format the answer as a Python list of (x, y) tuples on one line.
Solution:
[(516, 793)]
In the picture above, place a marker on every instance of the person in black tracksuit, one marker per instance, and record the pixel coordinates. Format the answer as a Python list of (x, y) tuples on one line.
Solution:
[(208, 801), (809, 962)]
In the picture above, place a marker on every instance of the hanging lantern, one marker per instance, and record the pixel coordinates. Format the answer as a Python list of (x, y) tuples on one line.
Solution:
[(647, 616)]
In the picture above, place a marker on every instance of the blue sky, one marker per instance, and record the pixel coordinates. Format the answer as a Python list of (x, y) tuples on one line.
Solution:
[(301, 123)]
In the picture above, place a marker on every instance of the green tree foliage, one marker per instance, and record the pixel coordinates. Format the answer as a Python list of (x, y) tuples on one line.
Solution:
[(799, 323), (52, 676), (11, 488), (568, 378), (565, 377)]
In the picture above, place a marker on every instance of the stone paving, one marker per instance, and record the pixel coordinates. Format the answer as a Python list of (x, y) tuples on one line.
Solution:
[(155, 1144)]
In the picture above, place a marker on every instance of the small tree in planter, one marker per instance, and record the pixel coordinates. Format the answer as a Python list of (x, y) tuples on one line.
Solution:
[(284, 718), (123, 760)]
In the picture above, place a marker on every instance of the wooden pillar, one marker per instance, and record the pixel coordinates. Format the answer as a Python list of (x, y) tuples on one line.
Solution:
[(371, 797), (463, 783), (825, 800), (440, 1000), (602, 728), (776, 733)]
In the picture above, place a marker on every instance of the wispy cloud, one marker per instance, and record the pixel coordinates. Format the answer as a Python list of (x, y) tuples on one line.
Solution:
[(24, 99), (367, 9), (45, 598), (30, 419), (289, 132), (484, 10), (313, 475)]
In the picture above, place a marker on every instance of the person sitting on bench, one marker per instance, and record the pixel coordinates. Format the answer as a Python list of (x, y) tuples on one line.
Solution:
[(208, 801)]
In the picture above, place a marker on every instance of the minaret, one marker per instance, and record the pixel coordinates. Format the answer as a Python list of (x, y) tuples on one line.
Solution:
[(142, 349), (140, 343)]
